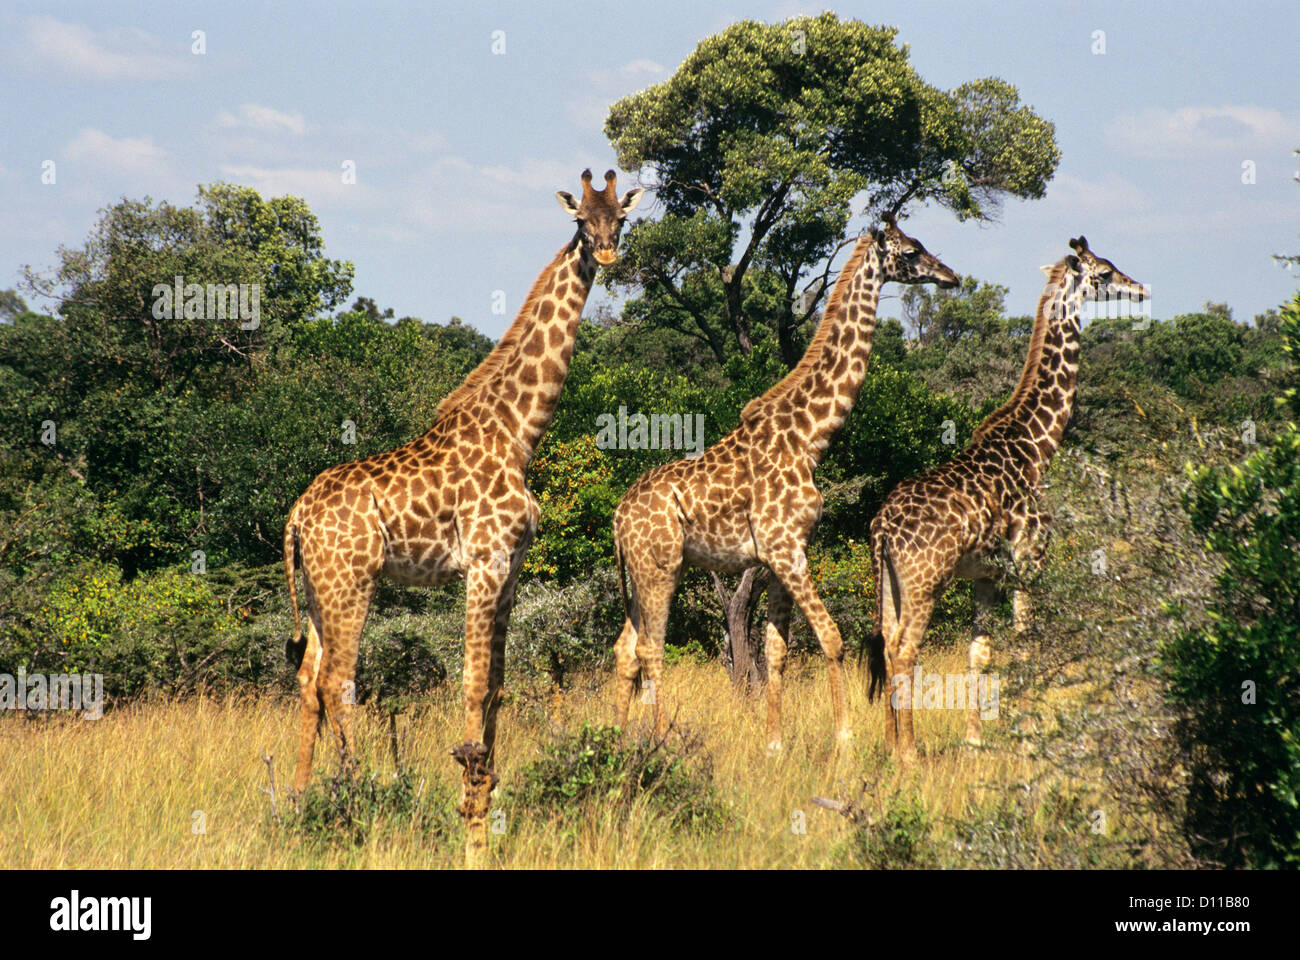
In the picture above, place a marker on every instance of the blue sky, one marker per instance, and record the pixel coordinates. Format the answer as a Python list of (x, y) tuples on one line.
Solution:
[(458, 150)]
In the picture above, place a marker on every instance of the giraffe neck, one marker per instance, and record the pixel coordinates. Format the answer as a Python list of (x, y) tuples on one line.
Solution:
[(1042, 402), (818, 395), (518, 385)]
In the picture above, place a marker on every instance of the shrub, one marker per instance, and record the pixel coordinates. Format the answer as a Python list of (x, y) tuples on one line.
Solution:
[(898, 840), (350, 809), (158, 632), (598, 768), (1236, 676)]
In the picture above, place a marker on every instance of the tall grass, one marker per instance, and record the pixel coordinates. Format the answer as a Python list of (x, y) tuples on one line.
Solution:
[(182, 783)]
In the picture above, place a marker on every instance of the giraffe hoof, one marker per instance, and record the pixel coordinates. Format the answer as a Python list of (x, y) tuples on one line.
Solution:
[(774, 748), (473, 757), (974, 740)]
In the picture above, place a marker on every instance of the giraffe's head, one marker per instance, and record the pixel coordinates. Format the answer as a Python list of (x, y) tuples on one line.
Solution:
[(1098, 278), (600, 215), (905, 260)]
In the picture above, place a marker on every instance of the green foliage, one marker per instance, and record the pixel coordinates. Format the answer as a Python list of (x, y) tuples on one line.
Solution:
[(571, 480), (898, 428), (776, 128), (156, 633), (691, 652), (889, 346), (898, 841), (1237, 676), (973, 310), (598, 768), (347, 809), (555, 630)]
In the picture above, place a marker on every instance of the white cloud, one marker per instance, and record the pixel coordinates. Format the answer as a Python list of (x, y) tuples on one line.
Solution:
[(126, 155), (311, 183), (118, 54), (1203, 129), (265, 119)]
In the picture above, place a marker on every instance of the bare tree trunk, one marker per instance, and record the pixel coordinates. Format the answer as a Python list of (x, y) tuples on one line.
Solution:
[(746, 667)]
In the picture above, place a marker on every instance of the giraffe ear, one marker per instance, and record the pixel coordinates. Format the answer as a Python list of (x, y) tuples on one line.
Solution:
[(1047, 268), (630, 200), (569, 205)]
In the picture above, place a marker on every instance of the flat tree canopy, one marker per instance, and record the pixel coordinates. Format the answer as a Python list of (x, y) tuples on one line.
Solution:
[(758, 146)]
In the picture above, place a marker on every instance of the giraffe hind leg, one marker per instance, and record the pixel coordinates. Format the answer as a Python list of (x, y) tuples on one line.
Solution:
[(900, 652), (627, 670), (775, 644), (336, 680), (980, 648), (312, 711)]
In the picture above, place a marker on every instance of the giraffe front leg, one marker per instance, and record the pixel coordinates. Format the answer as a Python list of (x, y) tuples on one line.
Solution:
[(981, 647), (775, 644), (1029, 546), (790, 566), (497, 666), (484, 582)]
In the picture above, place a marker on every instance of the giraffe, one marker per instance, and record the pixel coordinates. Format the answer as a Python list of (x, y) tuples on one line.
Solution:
[(957, 518), (750, 500), (451, 503)]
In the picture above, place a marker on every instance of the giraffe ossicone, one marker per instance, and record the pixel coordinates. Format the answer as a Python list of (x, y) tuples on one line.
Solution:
[(452, 503)]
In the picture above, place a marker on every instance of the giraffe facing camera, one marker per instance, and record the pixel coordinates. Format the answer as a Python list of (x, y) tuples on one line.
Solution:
[(451, 503)]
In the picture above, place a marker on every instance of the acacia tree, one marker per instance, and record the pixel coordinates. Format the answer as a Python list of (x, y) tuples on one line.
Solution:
[(758, 146)]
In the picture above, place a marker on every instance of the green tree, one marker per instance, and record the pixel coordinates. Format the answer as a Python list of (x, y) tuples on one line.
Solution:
[(760, 142), (972, 310)]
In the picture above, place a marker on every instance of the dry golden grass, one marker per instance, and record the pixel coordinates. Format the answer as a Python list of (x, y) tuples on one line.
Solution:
[(125, 791)]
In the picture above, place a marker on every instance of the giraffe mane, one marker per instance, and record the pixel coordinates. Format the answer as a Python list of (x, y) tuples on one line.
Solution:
[(505, 348), (1034, 355), (830, 316)]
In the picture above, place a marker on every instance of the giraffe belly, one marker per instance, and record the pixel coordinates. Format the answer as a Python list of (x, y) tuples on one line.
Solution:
[(727, 549), (421, 564), (975, 565)]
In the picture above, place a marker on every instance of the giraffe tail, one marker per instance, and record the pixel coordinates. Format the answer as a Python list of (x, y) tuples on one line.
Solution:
[(295, 647), (880, 564)]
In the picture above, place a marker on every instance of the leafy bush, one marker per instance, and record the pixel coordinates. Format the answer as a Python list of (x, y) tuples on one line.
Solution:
[(555, 630), (1237, 676), (159, 632), (898, 840), (571, 480), (598, 767), (350, 809)]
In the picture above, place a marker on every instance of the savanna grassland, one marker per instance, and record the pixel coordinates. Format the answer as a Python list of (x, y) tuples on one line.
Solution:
[(1080, 767)]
